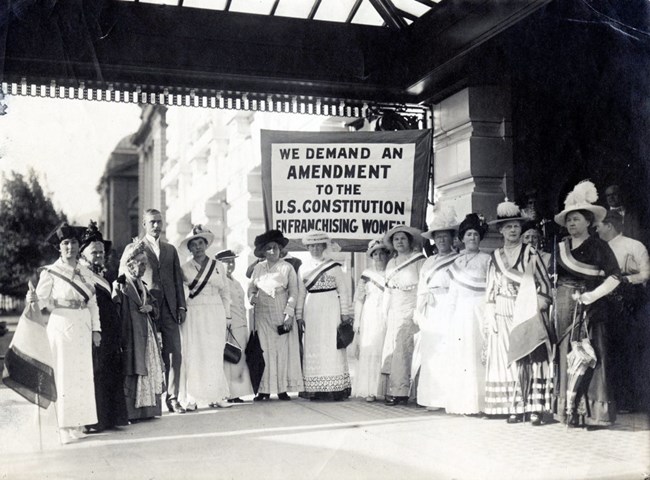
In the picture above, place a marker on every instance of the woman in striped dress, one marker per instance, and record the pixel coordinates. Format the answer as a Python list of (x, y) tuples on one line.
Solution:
[(466, 372), (514, 386), (370, 324)]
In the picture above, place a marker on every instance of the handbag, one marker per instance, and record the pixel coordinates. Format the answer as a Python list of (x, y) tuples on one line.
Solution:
[(232, 351), (344, 335)]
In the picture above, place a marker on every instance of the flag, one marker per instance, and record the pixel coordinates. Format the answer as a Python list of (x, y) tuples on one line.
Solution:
[(28, 362), (528, 329)]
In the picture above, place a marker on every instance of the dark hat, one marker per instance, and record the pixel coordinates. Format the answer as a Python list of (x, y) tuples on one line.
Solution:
[(267, 237), (225, 255), (63, 232), (508, 212), (530, 225), (472, 222), (92, 235)]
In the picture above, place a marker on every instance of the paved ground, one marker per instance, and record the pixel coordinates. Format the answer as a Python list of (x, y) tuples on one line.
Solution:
[(320, 440)]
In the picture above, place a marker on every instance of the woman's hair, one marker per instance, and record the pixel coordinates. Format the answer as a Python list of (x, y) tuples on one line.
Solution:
[(131, 251), (589, 216)]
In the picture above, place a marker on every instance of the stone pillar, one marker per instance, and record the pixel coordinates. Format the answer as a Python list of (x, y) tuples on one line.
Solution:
[(473, 150)]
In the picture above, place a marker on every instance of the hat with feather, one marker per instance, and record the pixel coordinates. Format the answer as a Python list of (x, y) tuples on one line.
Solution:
[(582, 197), (508, 212), (444, 219), (92, 235)]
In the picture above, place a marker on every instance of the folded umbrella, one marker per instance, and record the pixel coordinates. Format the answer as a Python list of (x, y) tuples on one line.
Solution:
[(255, 358)]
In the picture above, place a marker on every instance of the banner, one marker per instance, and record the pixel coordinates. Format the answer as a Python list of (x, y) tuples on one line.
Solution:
[(354, 186)]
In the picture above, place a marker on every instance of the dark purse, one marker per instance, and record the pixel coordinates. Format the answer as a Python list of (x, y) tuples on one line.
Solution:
[(344, 335), (232, 351)]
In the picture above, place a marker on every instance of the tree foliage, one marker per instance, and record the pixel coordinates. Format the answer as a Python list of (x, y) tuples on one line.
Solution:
[(27, 216)]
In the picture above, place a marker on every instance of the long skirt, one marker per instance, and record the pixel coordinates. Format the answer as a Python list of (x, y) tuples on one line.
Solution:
[(397, 355), (203, 337), (143, 391), (237, 375), (431, 390), (466, 380), (325, 366), (70, 337), (367, 381), (282, 372), (594, 402), (502, 384)]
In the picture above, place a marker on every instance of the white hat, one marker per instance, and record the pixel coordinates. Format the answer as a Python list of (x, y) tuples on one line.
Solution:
[(415, 233), (581, 197), (444, 219), (375, 245), (197, 232), (315, 236)]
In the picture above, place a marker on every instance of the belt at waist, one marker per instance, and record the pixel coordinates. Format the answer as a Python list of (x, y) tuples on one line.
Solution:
[(322, 290), (571, 283), (73, 304)]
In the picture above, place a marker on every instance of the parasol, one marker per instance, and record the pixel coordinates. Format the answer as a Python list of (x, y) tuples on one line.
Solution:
[(581, 358)]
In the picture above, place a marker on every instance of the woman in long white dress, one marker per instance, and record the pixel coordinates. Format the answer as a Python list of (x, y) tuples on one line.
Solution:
[(67, 290), (370, 324), (203, 334), (239, 380), (324, 303), (432, 313), (402, 276), (466, 381)]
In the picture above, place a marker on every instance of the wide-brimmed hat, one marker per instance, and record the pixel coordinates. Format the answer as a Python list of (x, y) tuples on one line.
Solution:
[(582, 197), (415, 233), (374, 245), (197, 232), (314, 237), (225, 255), (64, 231), (444, 219), (472, 222), (267, 237), (92, 235), (508, 212)]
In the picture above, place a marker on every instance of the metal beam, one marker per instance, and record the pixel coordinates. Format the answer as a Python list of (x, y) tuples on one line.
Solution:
[(353, 12), (388, 13)]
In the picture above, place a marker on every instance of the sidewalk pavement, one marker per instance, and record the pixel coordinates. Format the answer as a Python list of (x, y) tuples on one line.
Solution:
[(321, 440)]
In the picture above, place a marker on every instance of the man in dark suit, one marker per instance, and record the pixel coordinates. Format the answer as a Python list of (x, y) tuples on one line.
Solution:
[(165, 281)]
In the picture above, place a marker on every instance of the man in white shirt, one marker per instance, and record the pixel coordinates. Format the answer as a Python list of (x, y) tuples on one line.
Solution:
[(629, 311), (630, 222)]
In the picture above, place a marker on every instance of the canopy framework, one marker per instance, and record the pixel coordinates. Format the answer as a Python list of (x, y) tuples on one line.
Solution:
[(174, 55)]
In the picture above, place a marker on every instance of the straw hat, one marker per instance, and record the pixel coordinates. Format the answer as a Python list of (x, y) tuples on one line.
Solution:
[(264, 239), (415, 233), (582, 197), (313, 237), (375, 245), (444, 219), (198, 232)]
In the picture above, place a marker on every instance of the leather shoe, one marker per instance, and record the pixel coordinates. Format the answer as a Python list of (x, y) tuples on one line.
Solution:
[(177, 407), (235, 400), (392, 401), (284, 396), (513, 418), (535, 419), (262, 397)]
